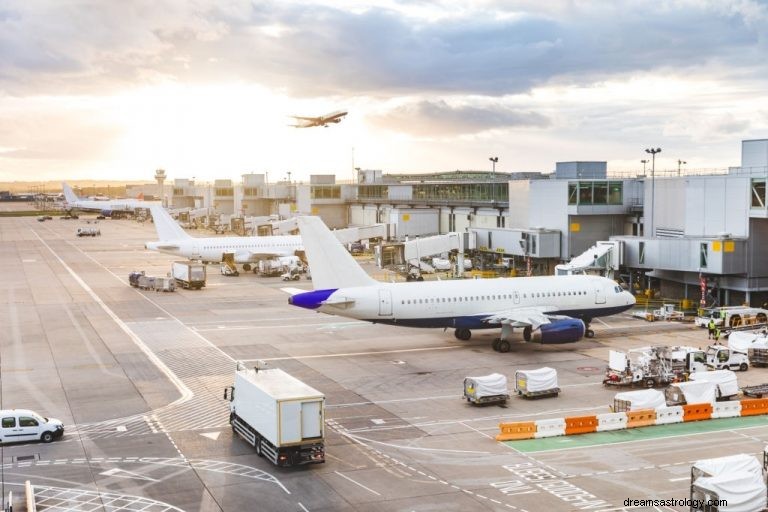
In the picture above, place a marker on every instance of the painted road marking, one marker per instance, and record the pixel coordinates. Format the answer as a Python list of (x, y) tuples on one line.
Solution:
[(211, 435), (353, 354), (121, 473), (357, 483)]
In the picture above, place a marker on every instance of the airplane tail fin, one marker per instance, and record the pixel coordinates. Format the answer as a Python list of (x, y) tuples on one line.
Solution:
[(330, 263), (69, 194), (167, 228)]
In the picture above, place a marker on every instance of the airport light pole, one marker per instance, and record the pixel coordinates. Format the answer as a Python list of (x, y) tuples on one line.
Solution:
[(679, 163), (644, 161), (494, 160), (653, 152)]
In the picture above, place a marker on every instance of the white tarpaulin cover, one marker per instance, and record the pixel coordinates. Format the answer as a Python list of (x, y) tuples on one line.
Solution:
[(729, 464), (541, 379), (725, 380), (741, 341), (743, 491), (698, 392), (643, 399), (617, 360), (486, 385)]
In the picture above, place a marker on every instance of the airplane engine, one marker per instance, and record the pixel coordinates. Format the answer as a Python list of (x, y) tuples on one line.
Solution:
[(106, 213), (568, 330)]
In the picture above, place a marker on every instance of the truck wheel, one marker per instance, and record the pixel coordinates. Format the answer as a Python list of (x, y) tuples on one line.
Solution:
[(47, 437), (258, 447), (649, 383), (743, 367)]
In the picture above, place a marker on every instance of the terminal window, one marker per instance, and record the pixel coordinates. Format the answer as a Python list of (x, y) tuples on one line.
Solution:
[(758, 193), (596, 193)]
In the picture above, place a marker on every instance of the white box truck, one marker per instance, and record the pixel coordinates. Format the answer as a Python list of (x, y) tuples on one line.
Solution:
[(280, 416), (189, 274)]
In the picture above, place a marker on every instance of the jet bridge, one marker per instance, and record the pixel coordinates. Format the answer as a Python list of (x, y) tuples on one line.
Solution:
[(603, 258), (412, 251)]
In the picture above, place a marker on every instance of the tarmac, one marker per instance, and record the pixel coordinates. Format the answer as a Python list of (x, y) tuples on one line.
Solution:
[(138, 379)]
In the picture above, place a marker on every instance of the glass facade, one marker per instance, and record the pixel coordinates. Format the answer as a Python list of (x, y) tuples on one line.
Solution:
[(462, 191), (251, 191), (373, 192), (325, 192), (596, 193), (225, 192)]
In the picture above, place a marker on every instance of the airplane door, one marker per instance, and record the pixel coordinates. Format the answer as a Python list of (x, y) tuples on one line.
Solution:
[(195, 252), (385, 303), (516, 296), (599, 295)]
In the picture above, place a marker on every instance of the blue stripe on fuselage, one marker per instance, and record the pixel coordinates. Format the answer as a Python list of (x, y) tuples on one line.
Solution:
[(477, 321), (310, 300)]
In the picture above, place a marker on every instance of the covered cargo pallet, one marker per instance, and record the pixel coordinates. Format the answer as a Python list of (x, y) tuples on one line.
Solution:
[(727, 385), (536, 383), (691, 393), (737, 491), (638, 400), (486, 389)]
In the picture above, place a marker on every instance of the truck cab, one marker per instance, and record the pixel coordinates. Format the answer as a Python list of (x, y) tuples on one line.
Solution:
[(19, 425), (720, 357)]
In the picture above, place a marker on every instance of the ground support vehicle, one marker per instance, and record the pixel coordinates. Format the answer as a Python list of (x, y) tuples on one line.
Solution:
[(88, 232), (146, 282), (486, 389), (652, 366), (18, 425), (133, 278), (732, 316), (536, 383), (228, 267), (189, 274), (720, 357), (277, 414), (292, 275), (758, 352), (164, 284)]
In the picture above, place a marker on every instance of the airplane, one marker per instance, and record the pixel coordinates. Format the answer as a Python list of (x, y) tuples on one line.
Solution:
[(247, 249), (309, 122), (549, 309), (105, 207)]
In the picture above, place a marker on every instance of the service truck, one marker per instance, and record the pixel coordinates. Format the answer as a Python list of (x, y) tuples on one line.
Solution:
[(280, 416), (189, 274), (720, 357), (732, 316), (88, 232), (653, 366)]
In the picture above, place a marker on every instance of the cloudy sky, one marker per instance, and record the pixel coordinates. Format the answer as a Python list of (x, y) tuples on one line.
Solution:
[(204, 88)]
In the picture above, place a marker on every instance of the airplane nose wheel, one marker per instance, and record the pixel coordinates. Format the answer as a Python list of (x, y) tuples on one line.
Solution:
[(589, 333)]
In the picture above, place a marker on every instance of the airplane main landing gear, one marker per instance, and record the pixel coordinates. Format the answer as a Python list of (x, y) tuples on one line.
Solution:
[(463, 334), (527, 331), (246, 267), (500, 345)]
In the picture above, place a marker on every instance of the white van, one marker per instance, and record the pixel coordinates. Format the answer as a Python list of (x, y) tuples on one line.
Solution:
[(19, 425)]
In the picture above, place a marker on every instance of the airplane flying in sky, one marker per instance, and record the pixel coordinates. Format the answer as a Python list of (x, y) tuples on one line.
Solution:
[(309, 122), (549, 309), (247, 249), (106, 207)]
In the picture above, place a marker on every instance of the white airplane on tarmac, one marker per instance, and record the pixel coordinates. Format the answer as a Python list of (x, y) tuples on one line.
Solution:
[(246, 249), (106, 207), (549, 309)]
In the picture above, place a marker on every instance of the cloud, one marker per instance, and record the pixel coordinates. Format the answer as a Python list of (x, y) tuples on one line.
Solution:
[(313, 49), (438, 118)]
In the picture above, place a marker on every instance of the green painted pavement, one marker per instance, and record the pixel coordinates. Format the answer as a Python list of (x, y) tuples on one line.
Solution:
[(636, 434)]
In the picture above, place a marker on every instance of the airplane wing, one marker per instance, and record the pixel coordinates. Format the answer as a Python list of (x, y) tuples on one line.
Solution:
[(534, 317), (313, 119), (255, 256)]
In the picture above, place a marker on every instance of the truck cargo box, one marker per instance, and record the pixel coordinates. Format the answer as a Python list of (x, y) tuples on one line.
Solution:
[(189, 274)]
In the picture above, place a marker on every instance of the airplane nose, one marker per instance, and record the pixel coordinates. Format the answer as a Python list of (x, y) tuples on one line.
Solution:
[(630, 298)]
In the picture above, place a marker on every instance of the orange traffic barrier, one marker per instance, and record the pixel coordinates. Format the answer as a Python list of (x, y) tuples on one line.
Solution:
[(696, 412), (517, 430), (641, 418), (580, 425), (754, 407)]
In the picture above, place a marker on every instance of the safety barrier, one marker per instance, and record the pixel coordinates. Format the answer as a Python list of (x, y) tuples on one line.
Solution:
[(611, 421), (580, 425), (730, 409), (754, 407), (641, 418), (550, 428), (697, 412), (669, 415), (517, 430)]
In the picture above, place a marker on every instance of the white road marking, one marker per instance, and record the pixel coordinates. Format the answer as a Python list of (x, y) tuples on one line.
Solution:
[(354, 354), (303, 507), (185, 392), (414, 448), (357, 483), (679, 479), (601, 321), (121, 473), (211, 435)]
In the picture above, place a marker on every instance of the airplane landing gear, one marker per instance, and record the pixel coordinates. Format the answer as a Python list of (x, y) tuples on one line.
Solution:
[(527, 332), (500, 345), (588, 333), (463, 334), (246, 267)]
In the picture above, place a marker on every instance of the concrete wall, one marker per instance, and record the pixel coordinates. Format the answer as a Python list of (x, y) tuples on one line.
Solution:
[(519, 198), (717, 204)]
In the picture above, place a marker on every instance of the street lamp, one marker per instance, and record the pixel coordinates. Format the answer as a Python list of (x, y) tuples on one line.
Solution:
[(653, 152), (494, 160), (679, 163), (644, 162)]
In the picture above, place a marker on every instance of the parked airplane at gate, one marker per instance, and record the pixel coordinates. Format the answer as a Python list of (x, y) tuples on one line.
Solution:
[(309, 122), (553, 309), (247, 249), (105, 207)]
